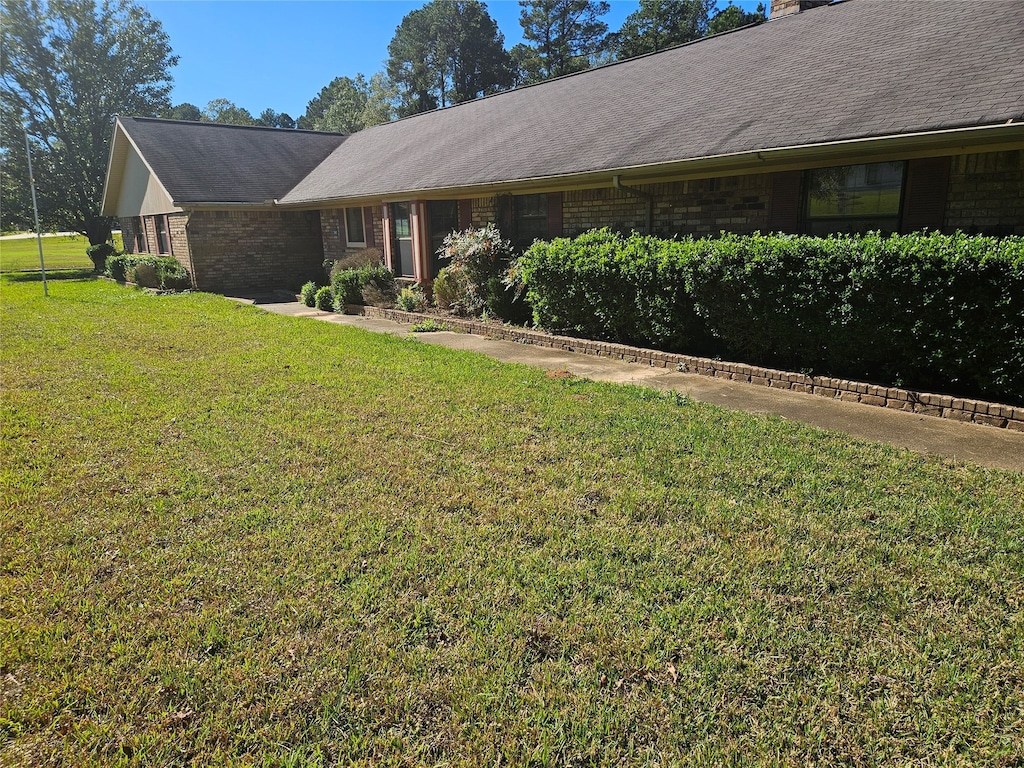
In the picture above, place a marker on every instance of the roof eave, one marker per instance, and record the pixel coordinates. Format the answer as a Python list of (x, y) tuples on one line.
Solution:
[(951, 141)]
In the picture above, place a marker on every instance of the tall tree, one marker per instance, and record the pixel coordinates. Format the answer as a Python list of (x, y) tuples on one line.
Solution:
[(184, 111), (338, 107), (272, 119), (227, 112), (67, 67), (733, 16), (380, 103), (446, 52), (660, 24), (563, 36), (347, 105)]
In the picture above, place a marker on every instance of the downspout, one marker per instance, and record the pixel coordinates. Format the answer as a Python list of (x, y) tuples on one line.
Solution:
[(188, 241), (617, 183)]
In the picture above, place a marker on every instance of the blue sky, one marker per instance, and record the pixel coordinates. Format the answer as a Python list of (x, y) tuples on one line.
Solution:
[(280, 53)]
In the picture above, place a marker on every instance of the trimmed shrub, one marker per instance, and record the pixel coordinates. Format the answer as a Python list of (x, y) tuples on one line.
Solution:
[(99, 255), (148, 271), (927, 311), (143, 274), (348, 286), (172, 276), (602, 285), (308, 294), (379, 287), (324, 299), (117, 265)]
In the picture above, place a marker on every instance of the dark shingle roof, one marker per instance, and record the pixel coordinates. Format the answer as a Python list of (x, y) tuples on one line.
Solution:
[(212, 163), (855, 69)]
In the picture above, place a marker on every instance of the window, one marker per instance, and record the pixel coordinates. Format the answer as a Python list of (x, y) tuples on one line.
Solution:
[(442, 220), (402, 250), (354, 233), (531, 218), (854, 198), (162, 243), (140, 235)]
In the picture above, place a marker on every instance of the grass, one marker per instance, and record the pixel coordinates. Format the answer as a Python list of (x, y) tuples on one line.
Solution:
[(59, 252), (236, 538)]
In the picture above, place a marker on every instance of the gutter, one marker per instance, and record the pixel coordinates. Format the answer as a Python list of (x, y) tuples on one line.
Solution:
[(617, 183), (951, 141)]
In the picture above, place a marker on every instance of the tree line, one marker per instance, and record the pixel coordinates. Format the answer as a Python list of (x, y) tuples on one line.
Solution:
[(450, 51), (67, 67)]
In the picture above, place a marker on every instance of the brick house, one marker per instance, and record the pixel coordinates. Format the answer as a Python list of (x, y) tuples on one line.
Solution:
[(830, 117)]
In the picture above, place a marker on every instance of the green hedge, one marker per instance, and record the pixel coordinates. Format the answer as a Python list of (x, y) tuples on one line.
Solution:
[(148, 271), (348, 284), (927, 311)]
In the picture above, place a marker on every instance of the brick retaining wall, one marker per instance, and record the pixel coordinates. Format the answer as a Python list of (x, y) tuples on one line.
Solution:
[(943, 406)]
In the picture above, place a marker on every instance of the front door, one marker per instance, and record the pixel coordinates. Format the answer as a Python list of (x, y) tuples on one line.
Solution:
[(401, 236)]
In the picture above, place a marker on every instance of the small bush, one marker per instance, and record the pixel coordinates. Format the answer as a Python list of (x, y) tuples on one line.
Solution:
[(411, 299), (451, 291), (143, 274), (379, 288), (348, 286), (173, 276), (429, 325), (308, 294), (99, 255), (117, 265), (324, 299)]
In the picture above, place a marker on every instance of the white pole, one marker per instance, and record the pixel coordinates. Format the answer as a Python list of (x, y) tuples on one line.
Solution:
[(35, 209)]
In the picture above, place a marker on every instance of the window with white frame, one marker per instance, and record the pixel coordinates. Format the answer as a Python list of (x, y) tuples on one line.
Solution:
[(355, 235), (163, 242)]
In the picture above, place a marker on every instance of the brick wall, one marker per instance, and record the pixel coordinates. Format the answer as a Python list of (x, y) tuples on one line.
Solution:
[(485, 211), (986, 193), (335, 246), (128, 234), (255, 250), (700, 207), (177, 233)]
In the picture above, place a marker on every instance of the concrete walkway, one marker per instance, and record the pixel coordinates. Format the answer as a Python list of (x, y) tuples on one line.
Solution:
[(987, 446)]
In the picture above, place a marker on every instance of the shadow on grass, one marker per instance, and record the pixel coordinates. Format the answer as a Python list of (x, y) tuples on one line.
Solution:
[(56, 274)]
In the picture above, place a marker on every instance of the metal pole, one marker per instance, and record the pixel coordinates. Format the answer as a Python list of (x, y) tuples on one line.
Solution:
[(35, 209)]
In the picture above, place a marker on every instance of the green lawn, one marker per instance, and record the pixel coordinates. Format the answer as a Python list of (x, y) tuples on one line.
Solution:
[(63, 252), (230, 537)]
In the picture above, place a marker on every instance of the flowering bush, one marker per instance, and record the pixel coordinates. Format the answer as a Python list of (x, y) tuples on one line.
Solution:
[(483, 257)]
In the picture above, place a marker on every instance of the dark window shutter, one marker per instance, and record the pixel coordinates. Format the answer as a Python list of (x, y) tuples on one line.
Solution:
[(554, 214), (368, 226), (786, 203), (924, 200), (465, 214), (503, 207), (342, 230)]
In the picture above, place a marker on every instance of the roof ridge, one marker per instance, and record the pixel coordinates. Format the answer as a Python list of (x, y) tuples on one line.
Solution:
[(211, 124), (568, 75)]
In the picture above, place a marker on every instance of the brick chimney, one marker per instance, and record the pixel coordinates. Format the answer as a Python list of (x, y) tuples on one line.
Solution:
[(786, 7)]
